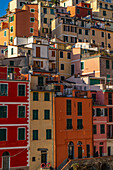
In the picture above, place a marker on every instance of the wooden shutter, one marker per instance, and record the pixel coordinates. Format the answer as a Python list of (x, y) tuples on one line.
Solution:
[(37, 51)]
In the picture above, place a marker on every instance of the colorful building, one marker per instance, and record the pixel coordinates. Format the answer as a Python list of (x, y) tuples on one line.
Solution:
[(14, 119)]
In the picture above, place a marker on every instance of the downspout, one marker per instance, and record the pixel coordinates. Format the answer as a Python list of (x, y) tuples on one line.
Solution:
[(52, 135)]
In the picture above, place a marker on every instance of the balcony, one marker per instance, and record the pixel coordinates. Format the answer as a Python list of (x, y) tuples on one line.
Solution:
[(14, 76)]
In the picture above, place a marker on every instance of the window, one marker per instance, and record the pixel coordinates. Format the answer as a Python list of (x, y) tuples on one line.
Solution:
[(102, 44), (53, 53), (21, 111), (11, 51), (76, 1), (79, 108), (45, 10), (102, 34), (98, 110), (104, 13), (32, 19), (32, 10), (21, 133), (40, 81), (94, 129), (100, 5), (102, 129), (3, 111), (11, 28), (80, 31), (35, 96), (3, 134), (11, 63), (51, 20), (112, 64), (21, 90), (35, 114), (61, 54), (21, 4), (11, 19), (93, 32), (106, 6), (69, 123), (107, 64), (65, 38), (5, 33), (109, 36), (46, 114), (35, 134), (86, 32), (110, 115), (5, 43), (11, 39), (62, 66), (48, 133), (109, 45), (93, 41), (31, 30), (68, 55), (2, 51), (79, 124), (89, 13), (108, 78), (47, 97), (3, 89), (109, 98), (68, 103), (82, 65), (33, 159), (45, 20), (78, 11), (52, 11)]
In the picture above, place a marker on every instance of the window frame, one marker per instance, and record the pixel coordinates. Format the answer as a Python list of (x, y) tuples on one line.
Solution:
[(31, 19), (6, 111), (32, 9), (33, 114), (18, 90), (18, 133), (6, 135), (24, 113), (46, 134), (7, 87), (31, 28), (33, 135)]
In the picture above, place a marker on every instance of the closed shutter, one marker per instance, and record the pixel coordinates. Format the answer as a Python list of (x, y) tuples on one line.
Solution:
[(37, 51)]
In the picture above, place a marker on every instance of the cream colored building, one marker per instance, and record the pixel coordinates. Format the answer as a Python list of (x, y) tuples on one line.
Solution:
[(46, 13), (41, 122)]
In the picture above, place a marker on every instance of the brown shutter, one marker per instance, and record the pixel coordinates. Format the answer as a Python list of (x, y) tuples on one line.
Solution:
[(37, 51)]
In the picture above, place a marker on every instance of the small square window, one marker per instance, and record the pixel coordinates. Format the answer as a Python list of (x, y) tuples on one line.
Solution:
[(32, 19), (11, 63), (32, 10), (33, 159)]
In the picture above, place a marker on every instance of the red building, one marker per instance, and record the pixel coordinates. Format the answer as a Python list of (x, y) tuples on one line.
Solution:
[(14, 119)]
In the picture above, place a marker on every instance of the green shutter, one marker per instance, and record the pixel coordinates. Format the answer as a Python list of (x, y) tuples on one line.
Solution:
[(21, 133), (35, 96), (9, 19), (35, 134), (69, 123), (12, 18), (79, 108), (21, 112), (46, 114), (35, 114), (48, 134), (47, 97), (107, 64), (3, 111), (2, 134), (68, 107)]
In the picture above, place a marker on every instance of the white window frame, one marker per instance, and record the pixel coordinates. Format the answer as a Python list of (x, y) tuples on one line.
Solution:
[(7, 111), (18, 91), (7, 87), (30, 30), (32, 21), (18, 112), (6, 134), (17, 133)]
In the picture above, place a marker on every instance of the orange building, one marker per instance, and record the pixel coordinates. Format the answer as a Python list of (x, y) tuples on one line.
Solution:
[(22, 23), (73, 125)]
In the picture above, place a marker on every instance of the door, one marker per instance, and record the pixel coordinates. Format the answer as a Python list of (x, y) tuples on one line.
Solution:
[(80, 152), (71, 150), (109, 150), (88, 150), (101, 151), (6, 161), (37, 51), (44, 157)]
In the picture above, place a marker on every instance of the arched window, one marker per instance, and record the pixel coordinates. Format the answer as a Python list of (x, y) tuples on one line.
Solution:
[(71, 150), (6, 161)]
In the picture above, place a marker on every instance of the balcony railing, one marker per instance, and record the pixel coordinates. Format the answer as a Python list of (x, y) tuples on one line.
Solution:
[(14, 76)]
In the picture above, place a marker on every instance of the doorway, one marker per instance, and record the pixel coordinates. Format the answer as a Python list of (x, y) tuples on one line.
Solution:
[(6, 161)]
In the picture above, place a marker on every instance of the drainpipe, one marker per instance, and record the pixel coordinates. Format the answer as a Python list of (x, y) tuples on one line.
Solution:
[(52, 135)]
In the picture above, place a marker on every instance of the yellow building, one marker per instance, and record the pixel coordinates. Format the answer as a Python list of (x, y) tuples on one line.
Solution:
[(41, 122)]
